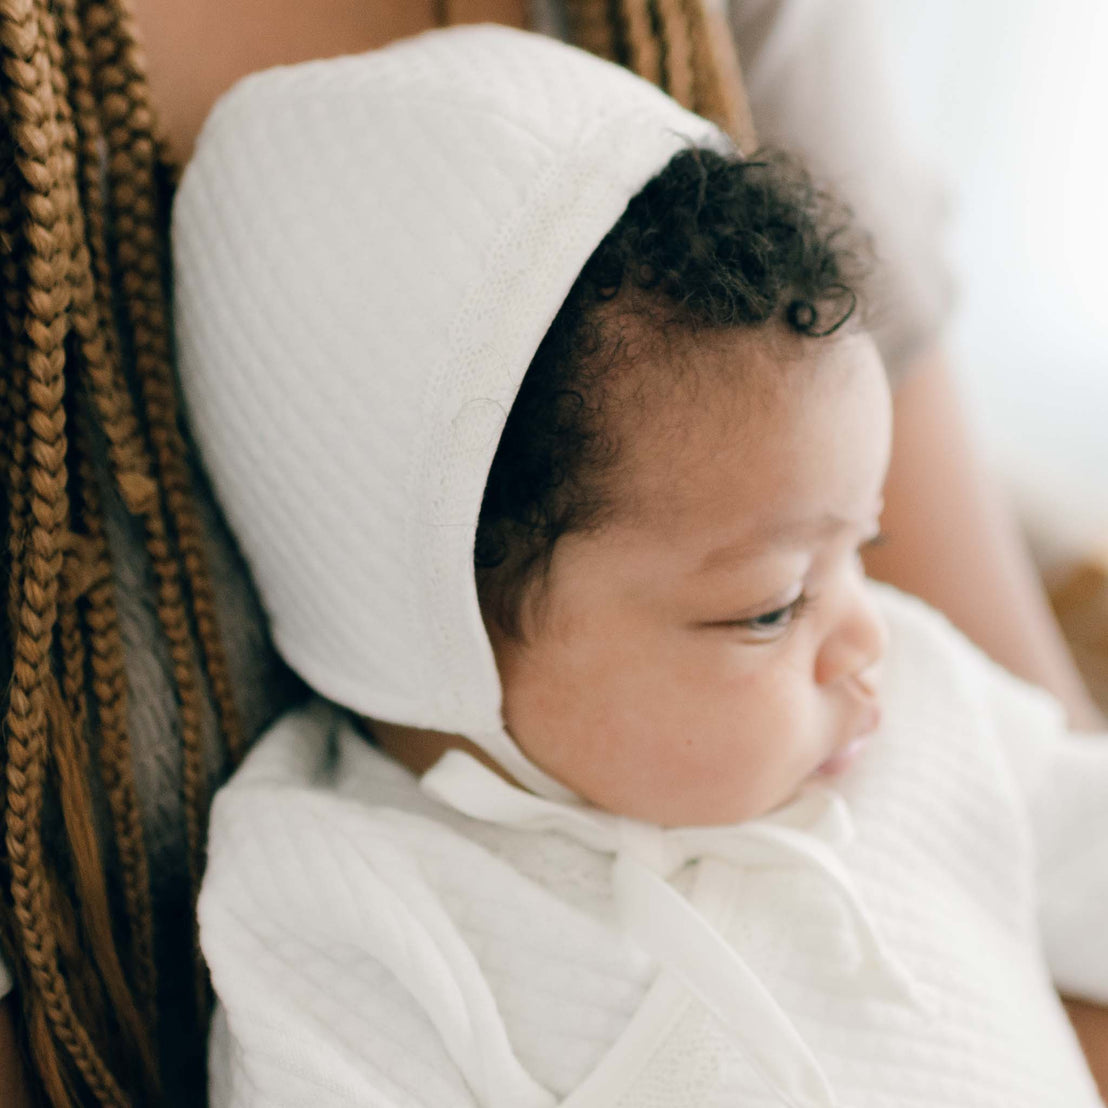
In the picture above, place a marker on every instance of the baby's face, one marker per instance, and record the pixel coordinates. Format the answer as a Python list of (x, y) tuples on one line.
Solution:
[(713, 647)]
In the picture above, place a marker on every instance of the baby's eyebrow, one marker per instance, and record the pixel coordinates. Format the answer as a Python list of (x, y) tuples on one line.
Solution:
[(780, 533)]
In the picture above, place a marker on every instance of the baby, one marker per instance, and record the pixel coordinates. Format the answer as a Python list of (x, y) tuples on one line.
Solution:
[(552, 434)]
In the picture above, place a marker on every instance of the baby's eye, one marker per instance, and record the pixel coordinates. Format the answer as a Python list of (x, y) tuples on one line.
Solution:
[(779, 617), (774, 619), (769, 624)]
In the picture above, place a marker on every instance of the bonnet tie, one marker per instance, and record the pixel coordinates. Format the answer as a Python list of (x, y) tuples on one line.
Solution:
[(807, 832)]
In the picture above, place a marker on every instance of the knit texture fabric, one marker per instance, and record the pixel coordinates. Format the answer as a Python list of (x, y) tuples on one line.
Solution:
[(349, 919), (368, 253)]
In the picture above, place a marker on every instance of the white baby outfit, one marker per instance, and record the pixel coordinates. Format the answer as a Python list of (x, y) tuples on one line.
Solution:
[(368, 251), (372, 946)]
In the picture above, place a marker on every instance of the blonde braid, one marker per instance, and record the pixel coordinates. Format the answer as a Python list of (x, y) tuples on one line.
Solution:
[(184, 601), (70, 753), (684, 46), (130, 205), (641, 44), (133, 166), (67, 92), (674, 28), (13, 353), (15, 457), (42, 162), (10, 299), (720, 93), (110, 697), (127, 454), (591, 26), (93, 307), (140, 250), (59, 273)]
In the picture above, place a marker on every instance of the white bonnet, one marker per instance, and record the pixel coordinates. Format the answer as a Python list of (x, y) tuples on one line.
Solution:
[(367, 253)]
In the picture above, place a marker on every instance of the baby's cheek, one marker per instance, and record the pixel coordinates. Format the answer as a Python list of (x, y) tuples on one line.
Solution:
[(769, 718), (719, 686), (560, 705)]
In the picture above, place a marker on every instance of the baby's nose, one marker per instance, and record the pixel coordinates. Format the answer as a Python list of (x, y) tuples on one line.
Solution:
[(873, 638), (856, 645)]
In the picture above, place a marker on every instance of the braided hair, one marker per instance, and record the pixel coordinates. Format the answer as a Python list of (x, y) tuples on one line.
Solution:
[(86, 375), (683, 46), (84, 190)]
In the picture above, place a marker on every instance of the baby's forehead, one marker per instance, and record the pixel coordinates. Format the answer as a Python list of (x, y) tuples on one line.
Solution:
[(674, 386), (752, 412)]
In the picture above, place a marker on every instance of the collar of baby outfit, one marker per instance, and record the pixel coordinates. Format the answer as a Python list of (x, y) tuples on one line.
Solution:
[(367, 252), (809, 832)]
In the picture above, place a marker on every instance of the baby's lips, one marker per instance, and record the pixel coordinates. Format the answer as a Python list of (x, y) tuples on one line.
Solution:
[(870, 720), (843, 758)]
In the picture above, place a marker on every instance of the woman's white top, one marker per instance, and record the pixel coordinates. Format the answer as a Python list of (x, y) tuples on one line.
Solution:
[(893, 940)]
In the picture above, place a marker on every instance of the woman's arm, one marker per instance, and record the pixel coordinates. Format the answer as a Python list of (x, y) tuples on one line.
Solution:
[(1091, 1024), (952, 540)]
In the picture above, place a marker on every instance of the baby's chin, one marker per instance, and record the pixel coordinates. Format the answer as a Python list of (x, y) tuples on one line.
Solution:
[(738, 805)]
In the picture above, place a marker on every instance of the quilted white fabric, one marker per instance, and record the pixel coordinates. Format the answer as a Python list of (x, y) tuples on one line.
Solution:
[(358, 930), (368, 251)]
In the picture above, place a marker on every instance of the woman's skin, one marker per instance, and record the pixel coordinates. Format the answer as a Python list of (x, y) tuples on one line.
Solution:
[(952, 541), (197, 50)]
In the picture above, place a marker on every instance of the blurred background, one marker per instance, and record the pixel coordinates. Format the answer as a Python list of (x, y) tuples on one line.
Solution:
[(1008, 98)]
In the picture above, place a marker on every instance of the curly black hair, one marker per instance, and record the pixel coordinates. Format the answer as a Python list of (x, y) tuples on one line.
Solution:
[(712, 242)]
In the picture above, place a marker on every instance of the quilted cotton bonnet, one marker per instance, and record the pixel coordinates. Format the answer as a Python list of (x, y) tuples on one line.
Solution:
[(368, 251)]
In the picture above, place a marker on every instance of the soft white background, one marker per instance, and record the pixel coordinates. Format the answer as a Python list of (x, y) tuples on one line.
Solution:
[(1011, 99)]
